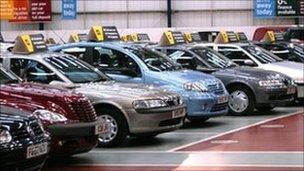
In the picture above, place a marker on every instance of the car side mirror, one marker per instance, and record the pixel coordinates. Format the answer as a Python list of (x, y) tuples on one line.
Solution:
[(249, 62)]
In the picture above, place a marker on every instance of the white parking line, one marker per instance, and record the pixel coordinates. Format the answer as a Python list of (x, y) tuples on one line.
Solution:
[(234, 130)]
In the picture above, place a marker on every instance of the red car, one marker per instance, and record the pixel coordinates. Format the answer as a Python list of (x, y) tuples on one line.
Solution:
[(69, 117)]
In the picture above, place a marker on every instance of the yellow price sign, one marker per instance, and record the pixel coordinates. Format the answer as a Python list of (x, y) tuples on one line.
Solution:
[(169, 37), (28, 43), (188, 37), (271, 36), (98, 33), (224, 36), (134, 37), (75, 37)]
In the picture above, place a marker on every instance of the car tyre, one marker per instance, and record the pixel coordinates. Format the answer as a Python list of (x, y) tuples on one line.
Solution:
[(117, 128), (241, 101)]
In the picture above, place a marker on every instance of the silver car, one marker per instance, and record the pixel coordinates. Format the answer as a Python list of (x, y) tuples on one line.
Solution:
[(254, 56), (128, 109)]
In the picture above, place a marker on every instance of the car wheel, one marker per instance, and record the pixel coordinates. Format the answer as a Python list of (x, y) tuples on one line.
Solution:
[(241, 100), (264, 108), (197, 121), (116, 128)]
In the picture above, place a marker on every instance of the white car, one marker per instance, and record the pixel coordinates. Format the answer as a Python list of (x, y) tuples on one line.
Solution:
[(254, 56)]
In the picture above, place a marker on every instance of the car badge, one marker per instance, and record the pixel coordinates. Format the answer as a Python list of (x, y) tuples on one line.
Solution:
[(30, 131)]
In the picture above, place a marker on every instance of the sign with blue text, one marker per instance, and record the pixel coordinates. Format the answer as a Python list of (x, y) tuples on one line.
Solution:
[(264, 8), (69, 9)]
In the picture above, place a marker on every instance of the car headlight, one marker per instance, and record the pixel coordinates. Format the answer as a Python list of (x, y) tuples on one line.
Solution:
[(195, 87), (5, 137), (271, 83), (46, 115), (148, 104)]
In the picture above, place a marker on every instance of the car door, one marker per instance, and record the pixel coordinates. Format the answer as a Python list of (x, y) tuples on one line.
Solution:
[(114, 63)]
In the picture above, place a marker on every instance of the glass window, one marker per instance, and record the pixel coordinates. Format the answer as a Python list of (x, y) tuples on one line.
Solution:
[(154, 60), (6, 77), (32, 71), (261, 54), (76, 70)]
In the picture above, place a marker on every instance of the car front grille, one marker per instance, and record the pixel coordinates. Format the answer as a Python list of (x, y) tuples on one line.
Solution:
[(219, 107), (216, 88), (23, 132), (173, 100), (84, 110)]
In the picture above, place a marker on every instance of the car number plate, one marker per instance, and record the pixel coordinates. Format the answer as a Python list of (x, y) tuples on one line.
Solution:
[(100, 128), (291, 90), (178, 113), (36, 150), (222, 99)]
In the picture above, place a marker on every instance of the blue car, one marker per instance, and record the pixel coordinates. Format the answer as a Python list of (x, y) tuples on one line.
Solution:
[(204, 95)]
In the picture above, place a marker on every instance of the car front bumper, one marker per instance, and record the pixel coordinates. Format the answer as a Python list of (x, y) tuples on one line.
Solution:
[(273, 97), (206, 105), (156, 120)]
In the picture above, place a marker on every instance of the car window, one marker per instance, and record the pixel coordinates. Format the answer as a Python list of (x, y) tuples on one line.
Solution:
[(261, 54), (236, 55), (76, 70), (32, 71), (154, 60), (6, 77), (112, 61)]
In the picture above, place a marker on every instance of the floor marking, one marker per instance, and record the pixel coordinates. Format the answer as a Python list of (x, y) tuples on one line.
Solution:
[(224, 142), (196, 152), (272, 126), (235, 130)]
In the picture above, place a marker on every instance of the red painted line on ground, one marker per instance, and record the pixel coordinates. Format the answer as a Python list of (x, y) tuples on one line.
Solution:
[(270, 137), (167, 168)]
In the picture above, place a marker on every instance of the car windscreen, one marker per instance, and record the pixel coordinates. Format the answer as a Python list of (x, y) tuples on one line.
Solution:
[(213, 58), (154, 60), (7, 77), (76, 70), (261, 54)]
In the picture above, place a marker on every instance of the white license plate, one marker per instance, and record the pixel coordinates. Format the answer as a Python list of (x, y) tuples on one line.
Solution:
[(291, 90), (100, 128), (36, 150), (178, 113), (300, 91), (222, 99)]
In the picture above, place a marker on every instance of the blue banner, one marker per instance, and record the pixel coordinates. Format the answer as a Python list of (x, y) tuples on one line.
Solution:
[(69, 9), (264, 8)]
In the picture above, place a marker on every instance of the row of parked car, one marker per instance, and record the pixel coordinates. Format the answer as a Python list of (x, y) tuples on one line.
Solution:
[(64, 99)]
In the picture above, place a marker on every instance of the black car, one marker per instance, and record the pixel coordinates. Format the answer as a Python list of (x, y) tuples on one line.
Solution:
[(285, 50), (23, 143), (249, 88)]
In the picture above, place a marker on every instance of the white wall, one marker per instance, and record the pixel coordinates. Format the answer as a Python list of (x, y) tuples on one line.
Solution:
[(151, 14)]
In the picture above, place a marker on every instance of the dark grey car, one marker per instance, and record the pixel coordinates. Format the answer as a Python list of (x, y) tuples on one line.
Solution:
[(249, 88)]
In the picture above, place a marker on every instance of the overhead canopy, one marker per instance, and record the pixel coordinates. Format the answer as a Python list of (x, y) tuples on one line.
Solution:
[(170, 38), (27, 44), (103, 33), (226, 37)]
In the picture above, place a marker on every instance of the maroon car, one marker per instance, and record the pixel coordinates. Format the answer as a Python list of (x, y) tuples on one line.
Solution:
[(69, 117)]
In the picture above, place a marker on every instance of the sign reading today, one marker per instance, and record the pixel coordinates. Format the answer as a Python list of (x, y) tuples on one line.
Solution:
[(69, 9), (264, 8), (277, 8)]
